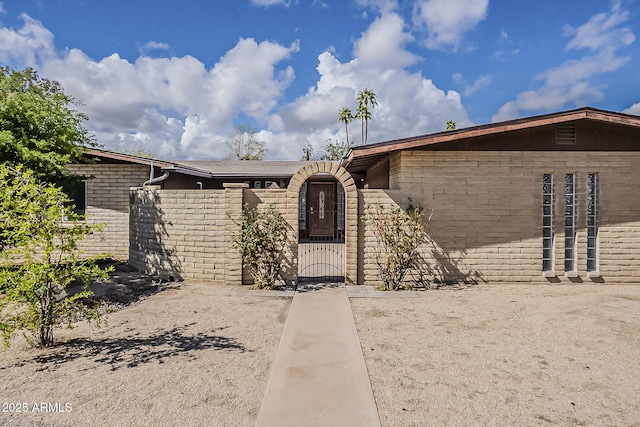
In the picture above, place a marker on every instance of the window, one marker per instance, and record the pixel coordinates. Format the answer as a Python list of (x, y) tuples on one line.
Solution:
[(547, 222), (77, 192), (569, 223), (340, 207), (592, 222), (302, 212)]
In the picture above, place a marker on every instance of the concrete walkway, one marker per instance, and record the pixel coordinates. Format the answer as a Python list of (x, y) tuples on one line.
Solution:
[(319, 377)]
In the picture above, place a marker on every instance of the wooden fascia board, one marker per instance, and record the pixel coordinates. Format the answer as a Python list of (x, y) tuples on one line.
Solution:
[(91, 152), (485, 130)]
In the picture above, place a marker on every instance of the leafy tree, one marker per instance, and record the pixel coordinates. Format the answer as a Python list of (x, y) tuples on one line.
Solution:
[(451, 125), (346, 117), (43, 261), (244, 145), (399, 234), (365, 98), (307, 151), (39, 126), (336, 150), (261, 241)]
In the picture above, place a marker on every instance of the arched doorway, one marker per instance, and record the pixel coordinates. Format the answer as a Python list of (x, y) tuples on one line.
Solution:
[(321, 230), (329, 233)]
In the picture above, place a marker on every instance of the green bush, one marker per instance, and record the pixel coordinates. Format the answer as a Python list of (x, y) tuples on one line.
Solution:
[(261, 241), (399, 234), (41, 260)]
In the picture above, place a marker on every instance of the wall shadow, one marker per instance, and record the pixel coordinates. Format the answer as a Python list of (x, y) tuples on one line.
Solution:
[(442, 268), (150, 249)]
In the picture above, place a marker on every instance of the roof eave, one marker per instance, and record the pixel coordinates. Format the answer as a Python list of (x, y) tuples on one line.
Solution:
[(387, 147)]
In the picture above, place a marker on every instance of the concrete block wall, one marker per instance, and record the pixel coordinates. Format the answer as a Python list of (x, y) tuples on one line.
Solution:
[(180, 233), (487, 212), (187, 234), (108, 203)]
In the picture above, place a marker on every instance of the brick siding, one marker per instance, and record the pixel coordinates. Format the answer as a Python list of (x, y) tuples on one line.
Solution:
[(108, 203), (487, 212)]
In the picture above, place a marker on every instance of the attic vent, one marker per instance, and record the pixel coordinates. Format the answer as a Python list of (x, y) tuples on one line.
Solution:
[(566, 134)]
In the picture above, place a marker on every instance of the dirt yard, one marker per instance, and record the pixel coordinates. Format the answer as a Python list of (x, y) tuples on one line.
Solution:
[(191, 354), (174, 354), (505, 356)]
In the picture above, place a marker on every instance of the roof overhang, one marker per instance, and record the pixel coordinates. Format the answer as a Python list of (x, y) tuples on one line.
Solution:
[(361, 158), (125, 158)]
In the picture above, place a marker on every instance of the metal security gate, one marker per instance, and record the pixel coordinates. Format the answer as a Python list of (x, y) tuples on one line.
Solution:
[(321, 262), (321, 221)]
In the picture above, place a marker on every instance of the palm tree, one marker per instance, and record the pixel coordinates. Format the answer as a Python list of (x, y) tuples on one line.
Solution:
[(364, 115), (346, 117), (365, 98), (451, 125)]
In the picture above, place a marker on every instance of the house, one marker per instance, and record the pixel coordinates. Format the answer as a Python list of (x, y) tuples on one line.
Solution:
[(104, 198), (544, 199)]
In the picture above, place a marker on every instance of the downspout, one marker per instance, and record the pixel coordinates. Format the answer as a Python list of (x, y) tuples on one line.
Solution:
[(153, 180), (156, 180)]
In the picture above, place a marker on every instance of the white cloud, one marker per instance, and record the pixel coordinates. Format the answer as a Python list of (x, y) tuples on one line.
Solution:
[(470, 89), (382, 6), (408, 104), (175, 107), (153, 46), (572, 81), (634, 109), (383, 43), (267, 3), (446, 21), (2, 9), (29, 45), (602, 31)]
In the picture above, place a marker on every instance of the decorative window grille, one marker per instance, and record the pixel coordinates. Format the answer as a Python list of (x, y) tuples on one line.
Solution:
[(302, 212), (321, 205), (340, 208), (592, 222), (569, 222), (547, 222)]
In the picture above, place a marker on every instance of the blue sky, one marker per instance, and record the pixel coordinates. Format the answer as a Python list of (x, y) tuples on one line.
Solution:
[(175, 77)]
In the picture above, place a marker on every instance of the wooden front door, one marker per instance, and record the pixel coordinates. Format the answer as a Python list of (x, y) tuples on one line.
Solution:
[(321, 209)]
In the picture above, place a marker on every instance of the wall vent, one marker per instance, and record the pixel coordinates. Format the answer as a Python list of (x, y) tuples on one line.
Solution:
[(566, 134)]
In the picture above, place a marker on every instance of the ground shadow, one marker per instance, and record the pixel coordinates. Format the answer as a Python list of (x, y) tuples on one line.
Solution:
[(316, 286), (124, 286), (136, 350)]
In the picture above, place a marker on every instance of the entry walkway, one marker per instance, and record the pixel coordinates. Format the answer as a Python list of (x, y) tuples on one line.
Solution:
[(319, 377)]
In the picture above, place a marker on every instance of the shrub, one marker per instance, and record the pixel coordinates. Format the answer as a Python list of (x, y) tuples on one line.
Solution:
[(42, 259), (261, 241), (399, 234)]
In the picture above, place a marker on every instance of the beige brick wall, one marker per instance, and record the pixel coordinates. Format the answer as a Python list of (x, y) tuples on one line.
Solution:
[(187, 233), (487, 212), (179, 233), (108, 203)]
